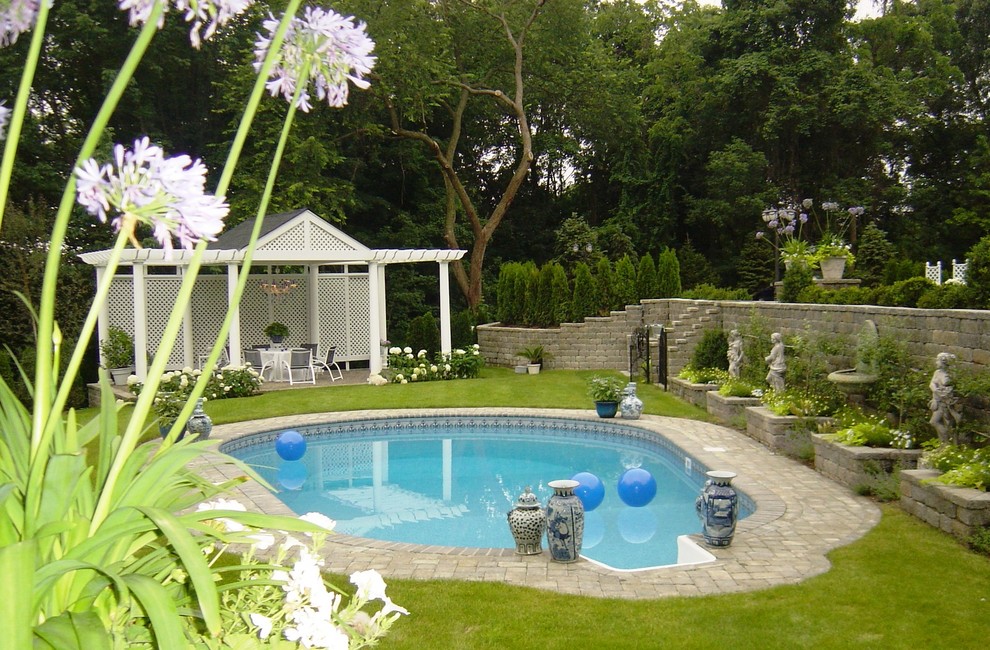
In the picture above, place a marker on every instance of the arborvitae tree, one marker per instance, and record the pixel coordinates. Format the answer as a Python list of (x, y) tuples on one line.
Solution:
[(560, 291), (544, 312), (872, 255), (646, 278), (532, 275), (668, 275), (755, 267), (796, 278), (583, 303), (503, 292), (520, 284), (695, 267), (605, 283), (978, 272), (424, 334), (625, 283)]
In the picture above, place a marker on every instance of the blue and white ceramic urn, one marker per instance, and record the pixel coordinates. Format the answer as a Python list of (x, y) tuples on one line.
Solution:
[(718, 508), (565, 521)]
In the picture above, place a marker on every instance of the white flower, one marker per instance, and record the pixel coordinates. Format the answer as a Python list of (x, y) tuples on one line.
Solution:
[(229, 525), (421, 354), (262, 541), (323, 47), (409, 355), (145, 187), (446, 367), (395, 350), (407, 350), (433, 368), (319, 519), (263, 623), (371, 586), (377, 380), (404, 382), (132, 379), (211, 13), (15, 19)]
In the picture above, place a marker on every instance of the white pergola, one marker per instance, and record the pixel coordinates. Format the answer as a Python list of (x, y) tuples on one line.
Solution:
[(339, 297)]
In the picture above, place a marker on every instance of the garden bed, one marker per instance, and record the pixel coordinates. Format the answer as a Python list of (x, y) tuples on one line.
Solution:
[(959, 511), (854, 466), (785, 434), (729, 410), (694, 393)]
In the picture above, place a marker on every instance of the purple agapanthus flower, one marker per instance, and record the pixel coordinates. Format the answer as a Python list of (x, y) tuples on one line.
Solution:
[(205, 15), (323, 47), (16, 17), (143, 186), (4, 117)]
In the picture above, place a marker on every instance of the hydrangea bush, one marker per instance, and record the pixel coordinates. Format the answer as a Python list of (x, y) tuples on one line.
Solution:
[(176, 387), (405, 367)]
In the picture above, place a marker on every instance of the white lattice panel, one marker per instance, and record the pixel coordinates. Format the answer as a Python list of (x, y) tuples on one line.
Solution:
[(322, 240), (161, 297), (959, 271), (293, 310), (934, 272), (255, 312), (293, 240), (359, 323), (209, 307), (120, 303)]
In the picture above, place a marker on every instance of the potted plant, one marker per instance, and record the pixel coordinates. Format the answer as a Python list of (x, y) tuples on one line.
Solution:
[(536, 355), (606, 391), (833, 255), (118, 354), (276, 332)]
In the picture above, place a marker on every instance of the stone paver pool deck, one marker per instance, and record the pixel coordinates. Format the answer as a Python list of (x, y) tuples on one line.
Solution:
[(800, 517)]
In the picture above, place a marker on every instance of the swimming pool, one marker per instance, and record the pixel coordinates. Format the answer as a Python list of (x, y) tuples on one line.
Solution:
[(451, 480)]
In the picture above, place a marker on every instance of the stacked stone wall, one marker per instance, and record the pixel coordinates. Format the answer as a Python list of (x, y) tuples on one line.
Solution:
[(603, 342)]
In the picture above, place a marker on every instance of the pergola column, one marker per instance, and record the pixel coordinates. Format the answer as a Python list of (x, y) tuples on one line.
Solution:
[(445, 346), (103, 320), (313, 285), (375, 293), (140, 320), (235, 324)]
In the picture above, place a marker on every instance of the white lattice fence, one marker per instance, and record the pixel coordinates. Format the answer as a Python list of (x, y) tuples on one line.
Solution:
[(162, 294), (209, 306), (934, 272)]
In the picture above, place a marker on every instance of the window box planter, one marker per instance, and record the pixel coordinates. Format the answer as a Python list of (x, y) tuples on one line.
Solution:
[(959, 511), (694, 393), (855, 466), (729, 410)]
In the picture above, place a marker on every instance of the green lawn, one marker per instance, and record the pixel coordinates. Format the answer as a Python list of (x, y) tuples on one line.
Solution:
[(904, 585)]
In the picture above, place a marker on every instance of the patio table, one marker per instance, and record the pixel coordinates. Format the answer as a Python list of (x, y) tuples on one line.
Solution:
[(279, 359)]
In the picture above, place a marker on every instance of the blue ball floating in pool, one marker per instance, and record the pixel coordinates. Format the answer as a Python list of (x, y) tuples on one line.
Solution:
[(637, 525), (292, 474), (590, 490), (637, 487), (290, 445), (594, 530)]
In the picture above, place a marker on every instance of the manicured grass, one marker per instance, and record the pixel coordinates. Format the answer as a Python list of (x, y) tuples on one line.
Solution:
[(904, 585)]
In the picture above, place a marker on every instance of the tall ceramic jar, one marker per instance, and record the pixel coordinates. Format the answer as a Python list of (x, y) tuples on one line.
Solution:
[(527, 521), (565, 521), (200, 424), (631, 406), (718, 508)]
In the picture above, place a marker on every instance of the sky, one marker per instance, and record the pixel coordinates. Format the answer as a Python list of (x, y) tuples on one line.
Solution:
[(866, 8)]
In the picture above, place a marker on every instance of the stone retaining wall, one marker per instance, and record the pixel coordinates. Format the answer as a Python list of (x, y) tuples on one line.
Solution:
[(696, 394), (603, 342), (730, 411), (856, 466), (957, 510), (786, 434)]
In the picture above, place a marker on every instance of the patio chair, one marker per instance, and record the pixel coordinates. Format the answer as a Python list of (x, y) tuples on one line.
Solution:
[(223, 360), (329, 365), (301, 359), (253, 356)]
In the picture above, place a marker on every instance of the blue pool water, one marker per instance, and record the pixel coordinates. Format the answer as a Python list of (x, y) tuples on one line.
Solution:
[(451, 480)]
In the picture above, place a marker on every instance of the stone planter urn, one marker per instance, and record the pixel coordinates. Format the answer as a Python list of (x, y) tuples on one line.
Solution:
[(832, 268)]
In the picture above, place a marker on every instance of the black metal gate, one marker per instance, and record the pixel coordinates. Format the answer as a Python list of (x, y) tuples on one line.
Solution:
[(640, 353)]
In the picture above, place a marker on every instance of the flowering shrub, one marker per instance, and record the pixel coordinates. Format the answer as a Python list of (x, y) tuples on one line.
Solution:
[(738, 387), (286, 596), (703, 375), (404, 366), (874, 433), (800, 402), (961, 466), (176, 387)]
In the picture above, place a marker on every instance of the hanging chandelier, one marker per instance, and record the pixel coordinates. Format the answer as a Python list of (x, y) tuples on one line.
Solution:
[(278, 288)]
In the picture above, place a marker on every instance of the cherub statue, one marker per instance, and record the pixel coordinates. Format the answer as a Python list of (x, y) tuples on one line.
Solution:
[(776, 362), (735, 354), (944, 404)]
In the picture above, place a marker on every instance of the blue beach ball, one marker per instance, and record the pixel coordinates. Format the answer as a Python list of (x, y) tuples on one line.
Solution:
[(292, 474), (637, 487), (594, 530), (591, 490), (290, 445)]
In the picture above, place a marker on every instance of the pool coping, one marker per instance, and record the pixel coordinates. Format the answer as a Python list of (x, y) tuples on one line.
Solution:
[(800, 516)]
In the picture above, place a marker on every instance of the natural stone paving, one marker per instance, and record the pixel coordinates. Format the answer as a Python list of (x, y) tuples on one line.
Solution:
[(800, 517)]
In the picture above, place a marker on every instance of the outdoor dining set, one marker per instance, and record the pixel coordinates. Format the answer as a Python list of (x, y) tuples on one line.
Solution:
[(295, 365)]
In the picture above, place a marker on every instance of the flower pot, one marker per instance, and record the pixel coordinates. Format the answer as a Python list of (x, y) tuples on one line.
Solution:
[(276, 340), (832, 268), (606, 409), (120, 375), (521, 369), (533, 368)]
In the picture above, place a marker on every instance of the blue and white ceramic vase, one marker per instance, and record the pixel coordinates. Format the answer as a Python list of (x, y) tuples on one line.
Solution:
[(527, 522), (565, 521), (631, 406), (200, 424), (718, 508)]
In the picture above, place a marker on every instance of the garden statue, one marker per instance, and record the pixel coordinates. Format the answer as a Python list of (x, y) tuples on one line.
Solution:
[(944, 404), (735, 354), (776, 362)]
